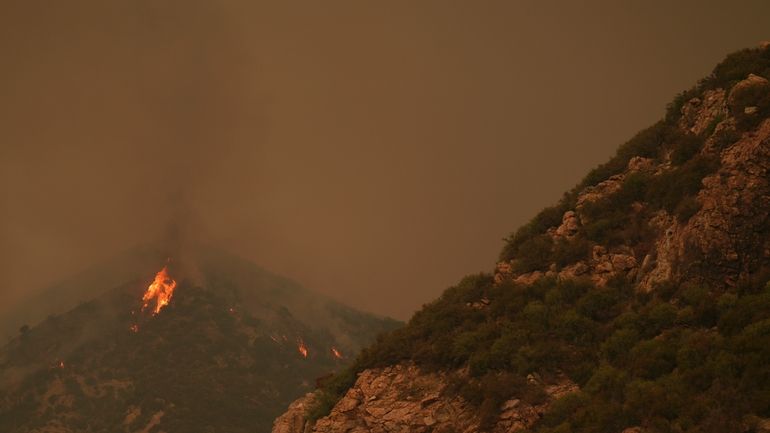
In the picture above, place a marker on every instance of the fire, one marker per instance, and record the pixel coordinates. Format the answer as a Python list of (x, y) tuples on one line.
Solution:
[(302, 348), (134, 328), (337, 354), (161, 290)]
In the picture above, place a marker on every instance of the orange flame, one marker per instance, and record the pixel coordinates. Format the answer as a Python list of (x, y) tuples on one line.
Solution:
[(161, 290), (302, 348), (337, 354)]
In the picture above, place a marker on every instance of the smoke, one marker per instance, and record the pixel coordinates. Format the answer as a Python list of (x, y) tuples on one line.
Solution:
[(375, 153), (117, 120)]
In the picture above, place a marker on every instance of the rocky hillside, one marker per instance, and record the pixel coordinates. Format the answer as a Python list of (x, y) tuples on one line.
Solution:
[(639, 303), (232, 348)]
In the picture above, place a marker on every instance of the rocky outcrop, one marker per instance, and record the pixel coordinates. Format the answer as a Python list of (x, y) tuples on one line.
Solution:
[(726, 239), (749, 95), (570, 224), (294, 420), (403, 398), (699, 113), (723, 242)]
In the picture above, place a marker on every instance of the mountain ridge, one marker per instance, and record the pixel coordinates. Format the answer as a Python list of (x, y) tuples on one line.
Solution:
[(644, 293), (232, 347)]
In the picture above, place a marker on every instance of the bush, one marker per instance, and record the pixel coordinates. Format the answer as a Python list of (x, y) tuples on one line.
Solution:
[(686, 147), (674, 108), (534, 254), (686, 209), (330, 392), (725, 137), (669, 189), (737, 66), (662, 316), (568, 251), (548, 217), (645, 143)]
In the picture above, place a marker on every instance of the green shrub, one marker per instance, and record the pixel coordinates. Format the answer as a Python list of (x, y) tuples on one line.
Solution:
[(674, 108), (568, 251), (534, 254), (669, 189), (686, 209), (725, 137), (645, 143), (662, 316), (617, 346), (737, 66), (685, 146), (330, 392), (548, 217)]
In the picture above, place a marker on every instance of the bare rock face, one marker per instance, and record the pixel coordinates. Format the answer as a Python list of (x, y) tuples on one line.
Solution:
[(697, 113), (599, 191), (503, 271), (726, 239), (569, 225), (574, 271), (748, 95), (294, 420), (402, 398), (606, 265), (529, 278)]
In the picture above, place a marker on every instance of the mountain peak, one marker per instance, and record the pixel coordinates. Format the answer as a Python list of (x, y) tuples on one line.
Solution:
[(207, 343)]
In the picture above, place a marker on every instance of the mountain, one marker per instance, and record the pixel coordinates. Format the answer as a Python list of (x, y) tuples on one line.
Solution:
[(639, 303), (230, 349)]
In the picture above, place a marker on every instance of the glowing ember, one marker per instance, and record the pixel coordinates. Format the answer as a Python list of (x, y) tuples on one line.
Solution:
[(134, 328), (337, 354), (302, 348), (161, 290), (61, 364)]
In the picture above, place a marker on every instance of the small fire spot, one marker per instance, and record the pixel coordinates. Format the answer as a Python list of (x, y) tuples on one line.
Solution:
[(301, 348), (337, 354)]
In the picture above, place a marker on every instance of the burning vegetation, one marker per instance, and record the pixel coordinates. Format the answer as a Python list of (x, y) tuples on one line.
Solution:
[(301, 348), (337, 354), (159, 293)]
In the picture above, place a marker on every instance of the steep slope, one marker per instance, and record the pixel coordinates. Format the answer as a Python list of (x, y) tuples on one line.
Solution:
[(231, 349), (639, 303)]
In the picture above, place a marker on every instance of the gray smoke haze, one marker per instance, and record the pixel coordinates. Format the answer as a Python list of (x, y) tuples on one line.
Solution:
[(373, 151)]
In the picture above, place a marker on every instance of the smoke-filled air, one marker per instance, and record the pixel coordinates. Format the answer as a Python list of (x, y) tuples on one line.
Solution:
[(349, 217)]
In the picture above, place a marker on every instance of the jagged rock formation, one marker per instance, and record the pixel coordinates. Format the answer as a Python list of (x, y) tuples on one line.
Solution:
[(723, 242), (402, 398)]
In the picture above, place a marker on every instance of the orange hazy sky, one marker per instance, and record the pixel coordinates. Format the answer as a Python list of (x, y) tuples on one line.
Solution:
[(373, 151)]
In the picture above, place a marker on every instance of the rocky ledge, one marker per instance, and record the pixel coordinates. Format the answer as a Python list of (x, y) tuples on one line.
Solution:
[(404, 398)]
